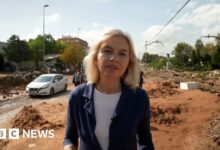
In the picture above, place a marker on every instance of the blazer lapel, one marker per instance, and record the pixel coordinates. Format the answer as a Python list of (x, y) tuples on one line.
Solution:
[(88, 94), (89, 107), (122, 101)]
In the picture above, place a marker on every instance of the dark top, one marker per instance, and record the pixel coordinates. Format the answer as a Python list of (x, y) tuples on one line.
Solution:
[(130, 123)]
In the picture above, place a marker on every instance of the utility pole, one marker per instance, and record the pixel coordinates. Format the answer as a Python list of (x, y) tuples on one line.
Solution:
[(147, 44), (44, 29)]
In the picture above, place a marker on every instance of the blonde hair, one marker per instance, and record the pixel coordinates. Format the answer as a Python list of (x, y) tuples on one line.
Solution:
[(131, 75)]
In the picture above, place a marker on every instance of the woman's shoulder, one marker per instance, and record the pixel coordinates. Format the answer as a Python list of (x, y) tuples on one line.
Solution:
[(138, 93), (79, 90), (141, 93)]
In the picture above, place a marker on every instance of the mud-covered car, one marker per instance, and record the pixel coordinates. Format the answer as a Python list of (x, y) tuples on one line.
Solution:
[(47, 84)]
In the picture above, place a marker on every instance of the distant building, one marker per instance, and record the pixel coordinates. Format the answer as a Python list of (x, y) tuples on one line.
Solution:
[(74, 40)]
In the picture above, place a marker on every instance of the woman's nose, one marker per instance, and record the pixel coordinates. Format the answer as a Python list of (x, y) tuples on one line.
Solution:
[(113, 57)]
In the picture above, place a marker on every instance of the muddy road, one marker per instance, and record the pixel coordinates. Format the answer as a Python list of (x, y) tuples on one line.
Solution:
[(10, 107)]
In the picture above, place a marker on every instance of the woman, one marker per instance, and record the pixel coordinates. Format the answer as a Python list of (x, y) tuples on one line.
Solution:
[(110, 111)]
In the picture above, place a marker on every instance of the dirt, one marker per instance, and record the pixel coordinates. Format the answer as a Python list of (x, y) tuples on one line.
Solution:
[(180, 119)]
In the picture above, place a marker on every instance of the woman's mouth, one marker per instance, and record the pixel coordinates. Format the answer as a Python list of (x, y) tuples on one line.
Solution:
[(112, 67)]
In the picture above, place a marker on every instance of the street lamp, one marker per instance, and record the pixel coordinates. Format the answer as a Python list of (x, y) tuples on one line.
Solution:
[(44, 29), (210, 36), (147, 44), (78, 30)]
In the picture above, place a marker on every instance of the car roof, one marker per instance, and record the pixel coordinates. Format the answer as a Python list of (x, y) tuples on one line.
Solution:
[(54, 74)]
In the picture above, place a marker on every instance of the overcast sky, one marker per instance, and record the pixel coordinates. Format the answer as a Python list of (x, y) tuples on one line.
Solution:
[(89, 19)]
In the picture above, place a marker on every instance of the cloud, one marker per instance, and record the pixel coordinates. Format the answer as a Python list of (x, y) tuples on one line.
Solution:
[(167, 38), (34, 34), (96, 25), (195, 22), (103, 0), (53, 18), (203, 16), (91, 36)]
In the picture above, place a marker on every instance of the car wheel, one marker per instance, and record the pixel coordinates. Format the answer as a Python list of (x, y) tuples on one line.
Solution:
[(65, 88), (52, 92), (31, 96)]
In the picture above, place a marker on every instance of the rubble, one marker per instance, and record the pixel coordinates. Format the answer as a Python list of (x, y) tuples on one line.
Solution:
[(163, 89), (11, 85), (166, 116), (213, 131), (30, 118)]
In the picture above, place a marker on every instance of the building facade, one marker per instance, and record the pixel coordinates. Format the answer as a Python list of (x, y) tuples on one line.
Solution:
[(74, 40)]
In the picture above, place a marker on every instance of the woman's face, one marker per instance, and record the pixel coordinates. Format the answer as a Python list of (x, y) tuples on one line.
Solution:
[(113, 57)]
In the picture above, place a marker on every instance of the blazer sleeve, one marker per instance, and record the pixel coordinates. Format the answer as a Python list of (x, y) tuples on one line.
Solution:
[(71, 136), (144, 132)]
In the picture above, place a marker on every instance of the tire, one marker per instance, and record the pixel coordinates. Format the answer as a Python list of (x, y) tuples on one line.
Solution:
[(52, 92), (65, 88)]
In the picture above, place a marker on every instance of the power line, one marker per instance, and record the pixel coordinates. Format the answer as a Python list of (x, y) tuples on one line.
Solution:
[(170, 20)]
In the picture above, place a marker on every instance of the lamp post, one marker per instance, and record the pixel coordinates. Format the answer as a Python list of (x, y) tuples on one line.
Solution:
[(78, 30), (44, 29), (147, 44)]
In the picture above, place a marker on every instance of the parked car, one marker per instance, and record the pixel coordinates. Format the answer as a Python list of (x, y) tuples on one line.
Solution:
[(47, 84)]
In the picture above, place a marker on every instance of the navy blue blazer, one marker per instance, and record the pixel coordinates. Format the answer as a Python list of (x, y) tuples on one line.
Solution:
[(130, 123)]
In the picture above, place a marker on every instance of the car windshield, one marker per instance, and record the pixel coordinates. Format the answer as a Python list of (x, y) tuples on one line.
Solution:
[(43, 79)]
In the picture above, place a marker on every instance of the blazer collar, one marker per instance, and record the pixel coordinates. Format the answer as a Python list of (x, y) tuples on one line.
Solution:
[(88, 93)]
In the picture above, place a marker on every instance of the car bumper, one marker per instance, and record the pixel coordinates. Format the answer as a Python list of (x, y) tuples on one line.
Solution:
[(37, 91)]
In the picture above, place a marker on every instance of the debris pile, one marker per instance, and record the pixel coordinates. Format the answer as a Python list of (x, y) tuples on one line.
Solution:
[(165, 116), (13, 84), (213, 131), (163, 89), (30, 118), (3, 143)]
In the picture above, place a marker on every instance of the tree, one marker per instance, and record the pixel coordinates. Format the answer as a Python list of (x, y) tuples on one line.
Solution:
[(216, 58), (218, 40), (182, 53), (17, 50), (73, 54), (198, 46), (194, 59), (51, 45), (36, 49), (148, 58), (159, 63)]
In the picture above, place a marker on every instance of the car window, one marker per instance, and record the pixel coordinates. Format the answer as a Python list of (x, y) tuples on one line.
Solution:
[(44, 79), (60, 77), (56, 78)]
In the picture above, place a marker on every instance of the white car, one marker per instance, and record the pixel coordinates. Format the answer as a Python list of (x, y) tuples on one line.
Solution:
[(47, 84)]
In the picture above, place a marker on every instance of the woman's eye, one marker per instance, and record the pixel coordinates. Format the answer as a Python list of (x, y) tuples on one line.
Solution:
[(106, 51), (123, 54)]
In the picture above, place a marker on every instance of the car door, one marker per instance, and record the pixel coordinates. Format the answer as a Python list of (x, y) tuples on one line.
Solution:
[(60, 82), (56, 84)]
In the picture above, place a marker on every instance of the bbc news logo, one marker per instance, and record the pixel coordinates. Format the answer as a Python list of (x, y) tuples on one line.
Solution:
[(14, 133)]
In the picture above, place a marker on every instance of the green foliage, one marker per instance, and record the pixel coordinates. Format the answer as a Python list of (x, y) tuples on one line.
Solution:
[(159, 63), (198, 47), (216, 58), (182, 53), (73, 54), (148, 58), (17, 50), (52, 46), (201, 57), (201, 74), (36, 49)]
